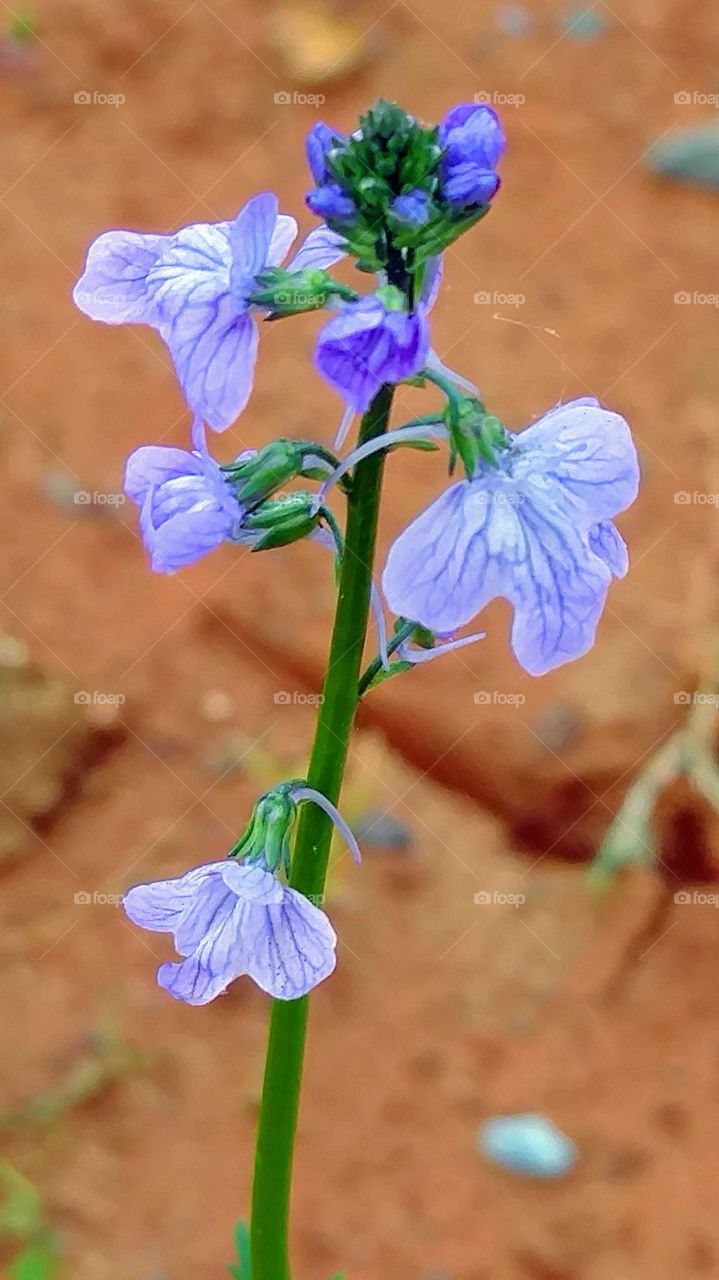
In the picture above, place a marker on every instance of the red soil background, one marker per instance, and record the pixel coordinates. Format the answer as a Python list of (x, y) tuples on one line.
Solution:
[(599, 1011)]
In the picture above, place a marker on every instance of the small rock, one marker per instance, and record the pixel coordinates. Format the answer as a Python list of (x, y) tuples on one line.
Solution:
[(693, 156), (527, 1143), (382, 831)]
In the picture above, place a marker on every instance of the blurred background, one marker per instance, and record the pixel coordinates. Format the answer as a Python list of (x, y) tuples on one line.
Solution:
[(479, 971)]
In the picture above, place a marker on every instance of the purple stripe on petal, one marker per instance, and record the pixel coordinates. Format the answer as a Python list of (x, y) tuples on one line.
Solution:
[(116, 285)]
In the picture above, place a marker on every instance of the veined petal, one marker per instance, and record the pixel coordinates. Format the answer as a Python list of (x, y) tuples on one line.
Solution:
[(161, 904), (294, 949), (582, 457), (152, 464), (283, 237), (183, 538), (321, 248), (474, 544), (251, 235), (219, 957), (252, 882), (214, 351), (116, 284), (607, 543)]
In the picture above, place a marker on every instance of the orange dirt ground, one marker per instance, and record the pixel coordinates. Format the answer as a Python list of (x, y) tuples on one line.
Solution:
[(599, 1011)]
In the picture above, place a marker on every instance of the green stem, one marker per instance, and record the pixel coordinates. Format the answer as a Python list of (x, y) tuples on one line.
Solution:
[(288, 1024)]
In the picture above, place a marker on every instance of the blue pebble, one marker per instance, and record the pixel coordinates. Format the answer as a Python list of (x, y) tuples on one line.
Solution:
[(528, 1144)]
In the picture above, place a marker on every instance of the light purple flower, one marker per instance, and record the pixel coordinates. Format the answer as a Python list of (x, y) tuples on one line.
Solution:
[(187, 508), (536, 530), (368, 344), (473, 142), (194, 287), (229, 919)]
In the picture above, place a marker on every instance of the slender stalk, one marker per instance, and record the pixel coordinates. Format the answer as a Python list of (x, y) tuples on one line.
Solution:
[(288, 1024)]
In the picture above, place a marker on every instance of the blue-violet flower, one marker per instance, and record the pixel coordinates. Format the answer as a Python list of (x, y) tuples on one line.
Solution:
[(535, 529), (473, 142), (194, 287)]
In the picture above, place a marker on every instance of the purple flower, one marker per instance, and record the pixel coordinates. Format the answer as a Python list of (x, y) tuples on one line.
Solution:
[(536, 530), (229, 919), (412, 208), (332, 202), (194, 288), (187, 508), (369, 343), (473, 142), (320, 139)]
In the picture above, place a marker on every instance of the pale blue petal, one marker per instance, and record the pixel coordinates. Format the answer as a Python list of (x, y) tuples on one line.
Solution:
[(294, 950), (607, 543), (116, 285), (161, 904), (319, 250), (251, 236), (219, 958), (582, 457), (214, 352), (283, 237), (185, 537), (153, 464), (252, 882), (474, 544)]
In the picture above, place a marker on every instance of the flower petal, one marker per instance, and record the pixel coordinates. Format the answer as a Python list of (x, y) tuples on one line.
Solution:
[(294, 949), (152, 464), (320, 249), (609, 545), (252, 882), (214, 351), (251, 235), (183, 538), (219, 957), (582, 457), (283, 237), (161, 904), (474, 544), (114, 285)]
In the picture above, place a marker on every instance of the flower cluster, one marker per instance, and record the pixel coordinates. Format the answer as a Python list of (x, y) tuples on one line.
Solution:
[(531, 521)]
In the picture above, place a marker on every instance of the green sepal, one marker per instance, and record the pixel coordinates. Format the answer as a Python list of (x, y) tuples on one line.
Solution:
[(290, 293), (286, 519), (278, 462)]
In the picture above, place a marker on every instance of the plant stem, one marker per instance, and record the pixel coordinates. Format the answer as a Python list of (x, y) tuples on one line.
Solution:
[(288, 1024)]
